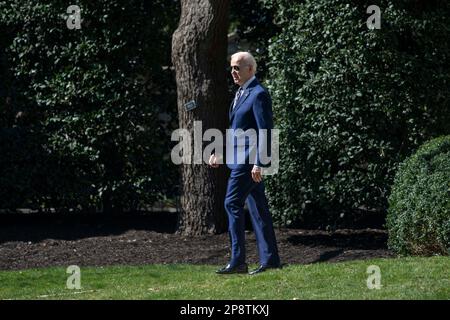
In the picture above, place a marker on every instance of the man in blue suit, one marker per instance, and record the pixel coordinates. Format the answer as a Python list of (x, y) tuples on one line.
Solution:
[(250, 111)]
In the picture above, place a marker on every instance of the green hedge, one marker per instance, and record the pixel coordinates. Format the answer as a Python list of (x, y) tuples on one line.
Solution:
[(88, 112), (419, 206), (352, 103)]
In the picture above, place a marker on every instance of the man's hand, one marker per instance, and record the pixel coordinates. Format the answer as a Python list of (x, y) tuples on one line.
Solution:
[(213, 161), (256, 174)]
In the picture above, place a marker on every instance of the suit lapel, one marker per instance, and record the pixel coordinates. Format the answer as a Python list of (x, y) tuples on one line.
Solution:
[(243, 97)]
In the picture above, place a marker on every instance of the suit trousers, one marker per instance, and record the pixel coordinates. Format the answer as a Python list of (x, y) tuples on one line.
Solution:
[(241, 188)]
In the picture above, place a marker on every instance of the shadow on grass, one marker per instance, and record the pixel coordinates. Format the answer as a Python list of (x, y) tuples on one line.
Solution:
[(368, 239)]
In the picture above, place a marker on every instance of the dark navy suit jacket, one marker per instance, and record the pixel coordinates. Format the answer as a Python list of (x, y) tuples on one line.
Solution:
[(252, 111)]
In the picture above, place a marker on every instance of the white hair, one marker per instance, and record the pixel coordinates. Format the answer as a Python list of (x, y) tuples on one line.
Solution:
[(246, 57)]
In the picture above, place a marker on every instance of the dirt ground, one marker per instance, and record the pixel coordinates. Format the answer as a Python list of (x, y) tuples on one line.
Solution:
[(31, 241)]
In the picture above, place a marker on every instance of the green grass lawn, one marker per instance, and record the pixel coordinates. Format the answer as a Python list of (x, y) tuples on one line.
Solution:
[(402, 278)]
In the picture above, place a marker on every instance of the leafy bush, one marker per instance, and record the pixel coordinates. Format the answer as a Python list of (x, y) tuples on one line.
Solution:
[(352, 103), (254, 26), (99, 103), (419, 207)]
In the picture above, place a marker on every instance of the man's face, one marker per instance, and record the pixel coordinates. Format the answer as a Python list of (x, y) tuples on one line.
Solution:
[(241, 71)]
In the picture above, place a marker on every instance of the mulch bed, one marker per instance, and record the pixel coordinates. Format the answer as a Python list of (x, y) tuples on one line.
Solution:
[(33, 241)]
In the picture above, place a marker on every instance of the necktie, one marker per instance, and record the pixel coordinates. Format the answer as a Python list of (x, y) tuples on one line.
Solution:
[(238, 95)]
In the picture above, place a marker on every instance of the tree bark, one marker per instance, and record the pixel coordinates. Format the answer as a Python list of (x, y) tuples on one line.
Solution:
[(199, 55)]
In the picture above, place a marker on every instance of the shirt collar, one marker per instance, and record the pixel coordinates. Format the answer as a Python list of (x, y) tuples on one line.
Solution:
[(247, 83)]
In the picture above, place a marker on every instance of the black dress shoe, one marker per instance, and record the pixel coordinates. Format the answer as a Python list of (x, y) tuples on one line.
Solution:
[(264, 268), (243, 268)]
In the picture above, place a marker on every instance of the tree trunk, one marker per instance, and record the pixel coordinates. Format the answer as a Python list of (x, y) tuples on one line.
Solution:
[(199, 55)]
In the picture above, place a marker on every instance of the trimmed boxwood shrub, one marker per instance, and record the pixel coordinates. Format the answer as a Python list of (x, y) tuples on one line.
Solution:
[(419, 207)]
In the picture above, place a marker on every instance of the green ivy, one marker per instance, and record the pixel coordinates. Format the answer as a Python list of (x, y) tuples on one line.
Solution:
[(352, 103), (96, 105)]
